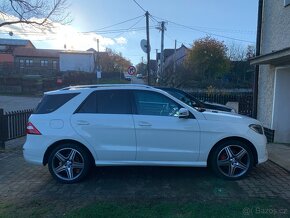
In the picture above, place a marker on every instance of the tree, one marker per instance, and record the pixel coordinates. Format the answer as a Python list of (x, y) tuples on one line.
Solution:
[(141, 68), (113, 62), (207, 61), (39, 13), (241, 72)]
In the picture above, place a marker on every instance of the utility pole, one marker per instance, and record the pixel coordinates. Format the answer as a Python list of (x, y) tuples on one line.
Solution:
[(174, 58), (162, 28), (148, 47), (98, 59)]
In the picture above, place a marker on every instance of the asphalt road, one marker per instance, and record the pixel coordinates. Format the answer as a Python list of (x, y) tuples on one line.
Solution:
[(135, 80), (14, 103)]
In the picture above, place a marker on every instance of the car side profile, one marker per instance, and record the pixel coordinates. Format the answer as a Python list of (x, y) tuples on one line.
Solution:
[(77, 127)]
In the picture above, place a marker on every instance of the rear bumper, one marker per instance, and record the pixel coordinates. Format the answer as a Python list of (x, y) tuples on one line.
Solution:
[(34, 148), (31, 157)]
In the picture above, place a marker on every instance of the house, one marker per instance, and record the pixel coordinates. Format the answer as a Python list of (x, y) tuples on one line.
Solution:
[(272, 77), (178, 57), (153, 67), (7, 47), (167, 53), (171, 56), (36, 61), (78, 61)]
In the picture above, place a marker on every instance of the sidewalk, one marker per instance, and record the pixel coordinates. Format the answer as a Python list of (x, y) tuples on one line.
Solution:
[(280, 154)]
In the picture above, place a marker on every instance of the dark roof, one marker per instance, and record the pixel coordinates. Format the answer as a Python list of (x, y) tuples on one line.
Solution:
[(77, 52), (168, 52), (92, 49), (32, 52), (16, 42), (276, 58)]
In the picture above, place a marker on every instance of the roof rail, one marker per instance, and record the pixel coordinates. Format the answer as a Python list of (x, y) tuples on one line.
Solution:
[(105, 85)]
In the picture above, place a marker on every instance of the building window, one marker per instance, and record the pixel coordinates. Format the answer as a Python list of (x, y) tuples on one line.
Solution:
[(28, 62), (54, 65), (286, 3), (21, 63), (44, 63)]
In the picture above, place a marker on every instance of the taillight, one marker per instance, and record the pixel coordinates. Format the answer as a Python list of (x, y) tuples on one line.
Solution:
[(31, 129)]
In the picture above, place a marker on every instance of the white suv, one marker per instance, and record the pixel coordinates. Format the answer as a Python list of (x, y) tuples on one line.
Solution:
[(76, 127)]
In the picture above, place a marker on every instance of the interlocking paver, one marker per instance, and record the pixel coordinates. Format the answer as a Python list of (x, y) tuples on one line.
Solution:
[(20, 181), (267, 180)]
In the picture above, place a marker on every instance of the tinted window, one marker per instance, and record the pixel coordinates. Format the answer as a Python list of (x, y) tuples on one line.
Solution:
[(151, 103), (89, 105), (50, 103), (113, 102), (107, 102)]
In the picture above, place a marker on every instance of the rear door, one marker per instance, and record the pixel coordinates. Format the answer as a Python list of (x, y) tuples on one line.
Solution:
[(105, 121)]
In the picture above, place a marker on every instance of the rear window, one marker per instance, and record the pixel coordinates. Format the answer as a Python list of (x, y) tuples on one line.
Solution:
[(50, 103)]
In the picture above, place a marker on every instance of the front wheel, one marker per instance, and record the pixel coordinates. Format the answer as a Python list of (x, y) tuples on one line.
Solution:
[(69, 163), (232, 160)]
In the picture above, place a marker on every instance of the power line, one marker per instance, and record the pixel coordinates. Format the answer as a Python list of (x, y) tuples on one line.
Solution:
[(152, 18), (139, 6), (206, 32), (116, 24), (112, 31), (184, 43), (131, 27)]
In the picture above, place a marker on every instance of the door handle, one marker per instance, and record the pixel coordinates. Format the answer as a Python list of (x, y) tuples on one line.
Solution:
[(82, 122), (142, 123)]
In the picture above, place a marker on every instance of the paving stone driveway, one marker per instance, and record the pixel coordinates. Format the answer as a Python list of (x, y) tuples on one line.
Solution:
[(20, 181)]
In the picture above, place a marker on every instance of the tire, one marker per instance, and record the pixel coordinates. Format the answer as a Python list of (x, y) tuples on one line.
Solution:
[(232, 160), (69, 163)]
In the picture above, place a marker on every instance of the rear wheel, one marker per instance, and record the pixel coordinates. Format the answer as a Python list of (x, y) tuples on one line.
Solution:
[(69, 163), (232, 160)]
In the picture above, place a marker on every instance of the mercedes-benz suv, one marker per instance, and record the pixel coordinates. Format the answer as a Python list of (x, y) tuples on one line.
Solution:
[(77, 127)]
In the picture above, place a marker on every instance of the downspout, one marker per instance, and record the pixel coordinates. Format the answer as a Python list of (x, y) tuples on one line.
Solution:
[(258, 52)]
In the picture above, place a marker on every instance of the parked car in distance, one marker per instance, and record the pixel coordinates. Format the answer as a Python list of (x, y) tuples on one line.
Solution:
[(77, 127), (127, 77), (139, 76), (194, 102)]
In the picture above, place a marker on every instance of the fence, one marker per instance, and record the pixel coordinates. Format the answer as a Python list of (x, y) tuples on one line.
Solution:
[(13, 125), (245, 100)]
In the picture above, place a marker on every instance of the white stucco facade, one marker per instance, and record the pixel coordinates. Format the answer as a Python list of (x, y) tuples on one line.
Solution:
[(76, 61), (275, 36)]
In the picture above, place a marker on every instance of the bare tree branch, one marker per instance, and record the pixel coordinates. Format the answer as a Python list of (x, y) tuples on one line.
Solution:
[(41, 13)]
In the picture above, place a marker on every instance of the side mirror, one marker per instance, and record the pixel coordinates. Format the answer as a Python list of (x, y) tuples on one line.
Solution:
[(183, 113)]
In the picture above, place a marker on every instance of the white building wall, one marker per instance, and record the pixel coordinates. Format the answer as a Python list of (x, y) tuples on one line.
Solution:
[(265, 97), (275, 36), (83, 62), (275, 26), (180, 56)]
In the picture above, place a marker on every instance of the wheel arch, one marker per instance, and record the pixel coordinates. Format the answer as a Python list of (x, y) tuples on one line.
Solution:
[(55, 144), (243, 140)]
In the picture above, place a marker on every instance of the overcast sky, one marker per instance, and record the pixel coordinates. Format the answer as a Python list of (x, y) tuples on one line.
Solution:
[(232, 21)]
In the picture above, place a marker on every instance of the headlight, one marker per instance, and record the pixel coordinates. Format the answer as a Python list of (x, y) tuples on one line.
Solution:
[(257, 128)]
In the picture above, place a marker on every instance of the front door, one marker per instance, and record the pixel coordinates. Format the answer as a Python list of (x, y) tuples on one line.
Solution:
[(160, 134)]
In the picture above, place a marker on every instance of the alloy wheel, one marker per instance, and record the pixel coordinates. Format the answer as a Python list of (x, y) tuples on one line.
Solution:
[(233, 161), (68, 164)]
